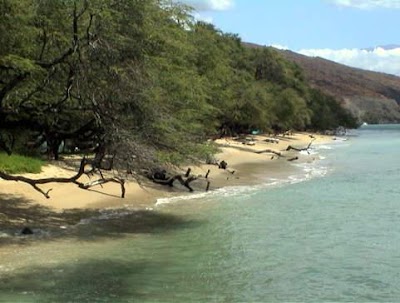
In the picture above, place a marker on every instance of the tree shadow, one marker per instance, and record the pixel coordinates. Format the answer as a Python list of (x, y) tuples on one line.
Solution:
[(84, 281), (86, 224)]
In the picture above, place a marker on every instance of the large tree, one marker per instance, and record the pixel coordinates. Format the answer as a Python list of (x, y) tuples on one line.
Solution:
[(140, 80)]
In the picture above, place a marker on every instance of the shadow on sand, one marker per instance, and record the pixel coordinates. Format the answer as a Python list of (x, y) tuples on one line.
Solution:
[(84, 224)]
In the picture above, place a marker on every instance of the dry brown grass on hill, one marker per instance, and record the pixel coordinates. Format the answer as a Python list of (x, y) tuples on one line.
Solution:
[(372, 96)]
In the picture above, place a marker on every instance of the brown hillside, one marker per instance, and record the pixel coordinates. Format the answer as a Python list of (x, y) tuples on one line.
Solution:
[(373, 97)]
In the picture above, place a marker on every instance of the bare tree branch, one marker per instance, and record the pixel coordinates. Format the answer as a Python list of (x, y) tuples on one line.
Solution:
[(290, 147), (74, 179), (269, 151)]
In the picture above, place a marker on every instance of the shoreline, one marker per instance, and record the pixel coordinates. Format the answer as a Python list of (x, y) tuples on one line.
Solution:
[(248, 166)]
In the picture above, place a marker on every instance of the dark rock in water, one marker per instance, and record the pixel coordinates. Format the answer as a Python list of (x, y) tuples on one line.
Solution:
[(26, 231)]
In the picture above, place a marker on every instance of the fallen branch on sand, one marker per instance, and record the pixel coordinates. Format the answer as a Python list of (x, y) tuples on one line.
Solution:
[(160, 177), (290, 147), (269, 151), (74, 179)]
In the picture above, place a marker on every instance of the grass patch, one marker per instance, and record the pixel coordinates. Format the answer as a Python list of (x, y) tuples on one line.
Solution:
[(16, 164)]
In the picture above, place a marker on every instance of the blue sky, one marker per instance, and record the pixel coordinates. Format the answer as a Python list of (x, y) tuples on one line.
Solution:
[(338, 30)]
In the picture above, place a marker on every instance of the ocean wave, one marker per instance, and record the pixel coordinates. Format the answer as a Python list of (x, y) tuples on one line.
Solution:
[(323, 147), (307, 171), (309, 152), (220, 192)]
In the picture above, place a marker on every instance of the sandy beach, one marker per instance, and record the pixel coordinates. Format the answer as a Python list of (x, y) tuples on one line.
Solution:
[(244, 164)]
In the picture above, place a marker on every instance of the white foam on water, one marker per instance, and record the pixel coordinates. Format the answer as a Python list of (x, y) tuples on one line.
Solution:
[(308, 152), (340, 139), (323, 147), (309, 170), (220, 192)]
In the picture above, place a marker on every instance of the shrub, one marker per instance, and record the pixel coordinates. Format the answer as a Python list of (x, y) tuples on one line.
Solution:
[(17, 164)]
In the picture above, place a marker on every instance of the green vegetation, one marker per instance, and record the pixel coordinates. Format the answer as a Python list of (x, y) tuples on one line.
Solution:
[(141, 80), (16, 164)]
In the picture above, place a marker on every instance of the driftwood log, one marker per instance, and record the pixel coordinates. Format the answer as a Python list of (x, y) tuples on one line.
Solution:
[(290, 147), (269, 151), (170, 181), (74, 179), (160, 177)]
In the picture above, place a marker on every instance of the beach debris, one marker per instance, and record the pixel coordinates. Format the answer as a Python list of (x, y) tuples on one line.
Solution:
[(188, 172), (247, 140), (269, 151), (290, 147), (26, 231), (272, 140), (294, 158), (74, 179), (287, 133), (160, 176), (223, 164)]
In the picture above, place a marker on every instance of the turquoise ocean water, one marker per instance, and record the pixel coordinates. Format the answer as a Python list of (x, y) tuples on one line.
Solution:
[(330, 232)]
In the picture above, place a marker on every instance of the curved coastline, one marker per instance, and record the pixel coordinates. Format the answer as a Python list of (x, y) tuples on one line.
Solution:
[(71, 210), (250, 168)]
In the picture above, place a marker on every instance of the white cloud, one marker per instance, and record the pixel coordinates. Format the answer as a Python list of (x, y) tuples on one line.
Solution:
[(203, 18), (279, 46), (368, 4), (378, 59), (209, 5)]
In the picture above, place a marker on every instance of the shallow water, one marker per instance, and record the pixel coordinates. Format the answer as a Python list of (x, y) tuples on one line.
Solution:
[(328, 233)]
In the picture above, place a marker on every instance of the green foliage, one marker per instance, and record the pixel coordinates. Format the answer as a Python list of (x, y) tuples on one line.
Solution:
[(328, 114), (193, 153), (17, 164), (143, 79)]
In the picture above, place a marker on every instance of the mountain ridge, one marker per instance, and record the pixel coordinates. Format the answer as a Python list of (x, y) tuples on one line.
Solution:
[(373, 97)]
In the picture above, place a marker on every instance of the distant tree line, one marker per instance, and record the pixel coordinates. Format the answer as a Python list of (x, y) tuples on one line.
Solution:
[(141, 80)]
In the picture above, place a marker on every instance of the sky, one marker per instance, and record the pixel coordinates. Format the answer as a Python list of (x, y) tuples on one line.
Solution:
[(351, 32)]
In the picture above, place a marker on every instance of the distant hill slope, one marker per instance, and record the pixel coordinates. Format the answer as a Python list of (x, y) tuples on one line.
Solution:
[(373, 97)]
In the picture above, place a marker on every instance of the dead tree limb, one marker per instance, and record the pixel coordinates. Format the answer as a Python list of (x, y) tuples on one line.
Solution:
[(105, 180), (74, 179), (170, 181), (269, 151), (160, 177), (290, 147)]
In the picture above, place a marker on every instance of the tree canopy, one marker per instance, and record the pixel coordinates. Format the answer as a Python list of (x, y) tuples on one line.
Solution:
[(141, 79)]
